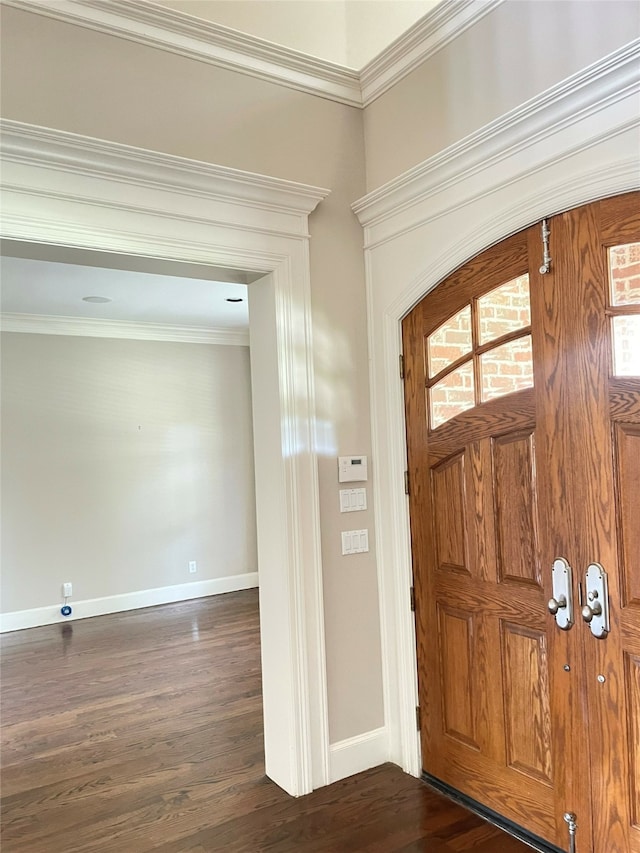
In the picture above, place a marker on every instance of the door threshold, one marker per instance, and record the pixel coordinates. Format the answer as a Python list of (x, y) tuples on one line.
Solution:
[(534, 841)]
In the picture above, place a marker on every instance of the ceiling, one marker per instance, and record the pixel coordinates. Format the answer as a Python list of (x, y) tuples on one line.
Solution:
[(56, 289), (347, 32)]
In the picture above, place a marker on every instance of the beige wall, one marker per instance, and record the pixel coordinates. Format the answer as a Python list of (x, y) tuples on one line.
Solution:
[(121, 462), (77, 80), (512, 54)]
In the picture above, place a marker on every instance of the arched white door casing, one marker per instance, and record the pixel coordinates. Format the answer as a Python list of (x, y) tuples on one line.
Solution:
[(574, 143)]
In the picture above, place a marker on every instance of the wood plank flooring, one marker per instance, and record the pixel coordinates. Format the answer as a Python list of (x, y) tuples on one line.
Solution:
[(143, 731)]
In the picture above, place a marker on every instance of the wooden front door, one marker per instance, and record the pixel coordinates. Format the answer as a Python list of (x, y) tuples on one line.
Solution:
[(523, 430)]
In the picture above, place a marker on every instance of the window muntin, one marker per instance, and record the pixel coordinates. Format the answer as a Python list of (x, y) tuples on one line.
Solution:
[(481, 352)]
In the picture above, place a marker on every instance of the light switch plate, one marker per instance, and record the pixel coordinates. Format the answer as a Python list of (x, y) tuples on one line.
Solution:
[(355, 541), (353, 500)]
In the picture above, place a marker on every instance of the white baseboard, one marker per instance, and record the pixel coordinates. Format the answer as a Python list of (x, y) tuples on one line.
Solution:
[(19, 619), (355, 754)]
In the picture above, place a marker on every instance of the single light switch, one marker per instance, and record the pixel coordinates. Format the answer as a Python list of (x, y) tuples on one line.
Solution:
[(346, 542)]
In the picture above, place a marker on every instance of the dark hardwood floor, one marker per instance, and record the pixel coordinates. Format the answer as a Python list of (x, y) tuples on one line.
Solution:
[(143, 731)]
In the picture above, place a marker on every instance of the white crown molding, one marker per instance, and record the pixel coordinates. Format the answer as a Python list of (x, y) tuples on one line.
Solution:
[(610, 82), (157, 26), (166, 29), (43, 324), (426, 37)]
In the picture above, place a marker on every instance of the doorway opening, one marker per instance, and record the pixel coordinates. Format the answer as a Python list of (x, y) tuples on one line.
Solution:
[(128, 435), (206, 214)]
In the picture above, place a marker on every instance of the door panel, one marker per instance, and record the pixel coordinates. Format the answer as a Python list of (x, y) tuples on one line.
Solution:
[(600, 481), (516, 511), (554, 313), (447, 483), (482, 634), (615, 711), (530, 720), (527, 738), (627, 464), (632, 696), (456, 632)]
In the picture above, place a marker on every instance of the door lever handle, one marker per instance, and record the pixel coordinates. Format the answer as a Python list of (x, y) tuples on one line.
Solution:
[(561, 605)]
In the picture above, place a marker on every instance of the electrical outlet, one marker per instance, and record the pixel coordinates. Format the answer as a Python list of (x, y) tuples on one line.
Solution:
[(193, 566), (67, 590)]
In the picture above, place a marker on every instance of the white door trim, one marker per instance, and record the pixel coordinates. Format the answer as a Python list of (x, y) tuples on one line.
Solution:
[(573, 144), (73, 191)]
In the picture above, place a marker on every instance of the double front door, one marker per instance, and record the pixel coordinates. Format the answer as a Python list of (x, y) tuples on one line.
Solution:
[(522, 398)]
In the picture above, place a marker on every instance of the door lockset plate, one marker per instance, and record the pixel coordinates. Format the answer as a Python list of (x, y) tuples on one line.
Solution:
[(596, 611), (561, 605)]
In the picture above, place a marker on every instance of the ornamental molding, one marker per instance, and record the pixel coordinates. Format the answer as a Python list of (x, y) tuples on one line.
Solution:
[(156, 26), (34, 145), (41, 324), (420, 42), (68, 167), (567, 116), (176, 32)]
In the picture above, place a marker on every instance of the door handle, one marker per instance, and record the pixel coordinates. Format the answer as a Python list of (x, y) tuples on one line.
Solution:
[(561, 605), (596, 613)]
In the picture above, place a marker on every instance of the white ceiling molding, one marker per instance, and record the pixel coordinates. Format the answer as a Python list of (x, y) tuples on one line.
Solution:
[(166, 29), (157, 26), (425, 38), (450, 177), (43, 324)]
